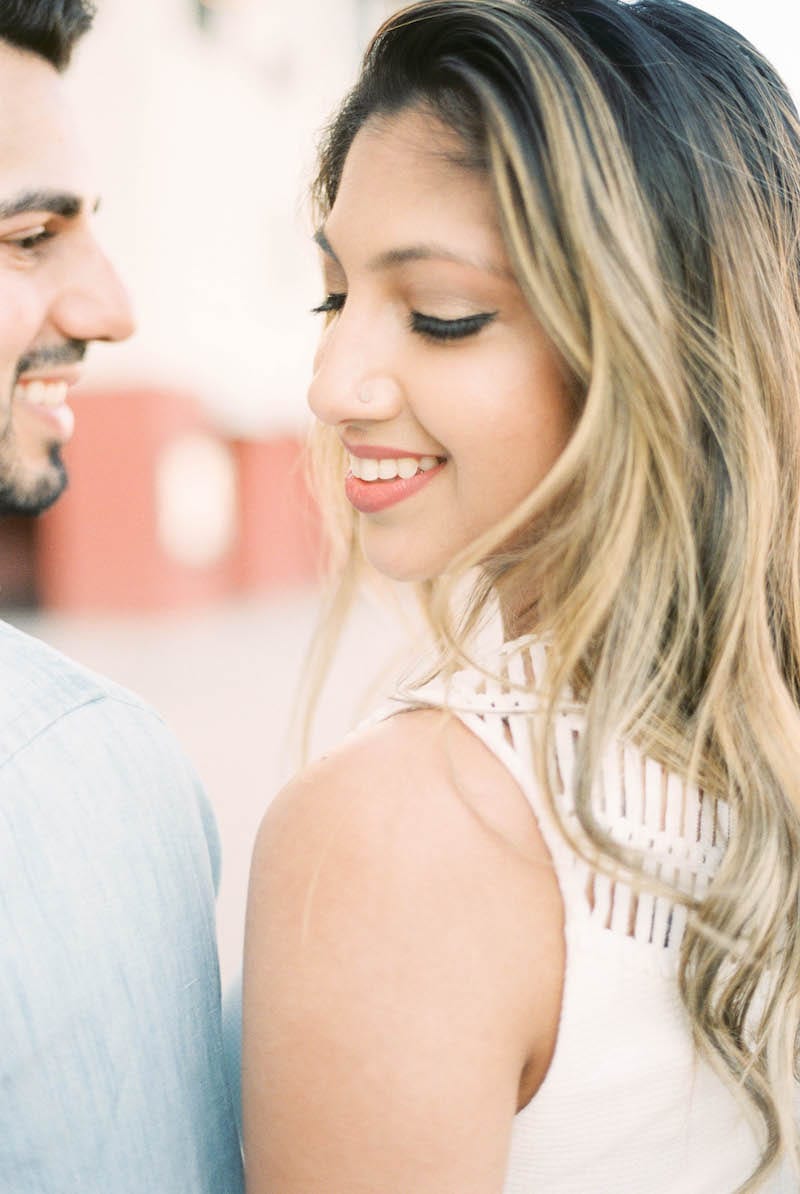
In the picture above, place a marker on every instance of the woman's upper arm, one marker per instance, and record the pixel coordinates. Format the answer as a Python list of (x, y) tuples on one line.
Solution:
[(403, 967)]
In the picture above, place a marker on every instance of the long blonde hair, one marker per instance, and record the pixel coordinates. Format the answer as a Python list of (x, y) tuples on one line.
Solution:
[(646, 165)]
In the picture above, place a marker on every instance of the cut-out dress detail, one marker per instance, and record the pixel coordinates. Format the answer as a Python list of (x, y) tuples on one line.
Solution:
[(627, 1106)]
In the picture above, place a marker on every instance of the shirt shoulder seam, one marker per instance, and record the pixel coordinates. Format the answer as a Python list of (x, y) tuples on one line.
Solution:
[(97, 698)]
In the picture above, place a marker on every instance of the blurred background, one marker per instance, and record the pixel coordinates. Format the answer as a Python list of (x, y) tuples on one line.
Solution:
[(183, 560)]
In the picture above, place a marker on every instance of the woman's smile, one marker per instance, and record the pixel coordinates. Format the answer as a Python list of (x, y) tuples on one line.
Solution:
[(375, 483)]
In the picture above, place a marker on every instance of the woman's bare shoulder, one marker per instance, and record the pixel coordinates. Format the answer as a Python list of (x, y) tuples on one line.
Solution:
[(403, 969), (420, 767)]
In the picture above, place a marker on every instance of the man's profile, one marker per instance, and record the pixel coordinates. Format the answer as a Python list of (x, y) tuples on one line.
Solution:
[(58, 289), (111, 1076)]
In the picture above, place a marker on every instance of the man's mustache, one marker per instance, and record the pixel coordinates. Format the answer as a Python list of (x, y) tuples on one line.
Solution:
[(71, 352)]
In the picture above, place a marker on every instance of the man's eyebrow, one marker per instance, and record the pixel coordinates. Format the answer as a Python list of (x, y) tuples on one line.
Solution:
[(420, 252), (57, 203)]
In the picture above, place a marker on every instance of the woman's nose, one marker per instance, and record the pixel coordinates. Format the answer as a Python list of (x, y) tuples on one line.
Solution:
[(350, 384), (377, 397)]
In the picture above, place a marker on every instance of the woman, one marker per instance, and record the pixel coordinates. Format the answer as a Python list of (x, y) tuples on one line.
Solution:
[(538, 934)]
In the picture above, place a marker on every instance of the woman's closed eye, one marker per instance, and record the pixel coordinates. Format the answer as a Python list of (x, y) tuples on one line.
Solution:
[(431, 327)]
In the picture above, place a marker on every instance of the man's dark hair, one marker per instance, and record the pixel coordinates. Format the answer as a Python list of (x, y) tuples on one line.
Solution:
[(49, 28)]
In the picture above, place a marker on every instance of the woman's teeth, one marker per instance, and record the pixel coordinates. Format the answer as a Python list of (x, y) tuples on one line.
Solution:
[(368, 469), (42, 393)]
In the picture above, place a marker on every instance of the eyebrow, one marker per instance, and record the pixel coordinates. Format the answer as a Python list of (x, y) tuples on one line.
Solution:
[(57, 203), (420, 252)]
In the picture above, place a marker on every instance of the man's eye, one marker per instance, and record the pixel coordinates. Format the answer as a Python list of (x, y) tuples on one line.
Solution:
[(31, 239), (330, 304), (440, 330)]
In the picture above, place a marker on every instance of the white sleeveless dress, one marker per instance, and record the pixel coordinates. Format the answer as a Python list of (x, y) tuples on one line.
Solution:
[(627, 1107)]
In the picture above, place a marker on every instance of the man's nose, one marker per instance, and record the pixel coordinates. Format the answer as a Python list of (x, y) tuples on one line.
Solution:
[(93, 303)]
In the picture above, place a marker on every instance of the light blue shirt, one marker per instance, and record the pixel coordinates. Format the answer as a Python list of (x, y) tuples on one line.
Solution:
[(111, 1058)]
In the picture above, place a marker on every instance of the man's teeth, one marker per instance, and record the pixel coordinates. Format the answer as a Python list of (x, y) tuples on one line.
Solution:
[(42, 393), (369, 469)]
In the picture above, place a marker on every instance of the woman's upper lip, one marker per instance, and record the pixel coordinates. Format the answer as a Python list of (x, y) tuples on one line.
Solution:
[(378, 452)]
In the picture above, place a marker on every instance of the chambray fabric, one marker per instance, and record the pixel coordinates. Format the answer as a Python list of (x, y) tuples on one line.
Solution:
[(112, 1075), (232, 1039)]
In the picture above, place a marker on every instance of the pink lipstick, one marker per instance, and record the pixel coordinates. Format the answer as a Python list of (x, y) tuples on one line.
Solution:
[(382, 477), (369, 497)]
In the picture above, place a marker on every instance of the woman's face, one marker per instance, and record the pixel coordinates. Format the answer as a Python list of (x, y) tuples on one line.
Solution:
[(431, 368)]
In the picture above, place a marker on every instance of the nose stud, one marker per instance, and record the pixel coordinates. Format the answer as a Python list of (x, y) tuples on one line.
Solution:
[(377, 389)]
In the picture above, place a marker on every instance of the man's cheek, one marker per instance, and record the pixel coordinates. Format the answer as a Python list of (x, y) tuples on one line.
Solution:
[(18, 329)]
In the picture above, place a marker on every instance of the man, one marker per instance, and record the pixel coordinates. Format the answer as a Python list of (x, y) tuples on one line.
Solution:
[(111, 1074)]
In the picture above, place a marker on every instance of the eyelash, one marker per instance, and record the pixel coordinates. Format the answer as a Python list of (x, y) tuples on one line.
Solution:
[(330, 305), (29, 244), (431, 328), (427, 326)]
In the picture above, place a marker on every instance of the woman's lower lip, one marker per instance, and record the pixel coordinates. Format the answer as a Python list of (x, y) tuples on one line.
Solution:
[(369, 497)]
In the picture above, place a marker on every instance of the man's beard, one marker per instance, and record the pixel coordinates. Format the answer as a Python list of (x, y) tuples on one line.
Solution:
[(17, 498)]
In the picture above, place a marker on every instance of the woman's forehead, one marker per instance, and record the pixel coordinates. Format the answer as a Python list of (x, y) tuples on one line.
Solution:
[(402, 182)]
